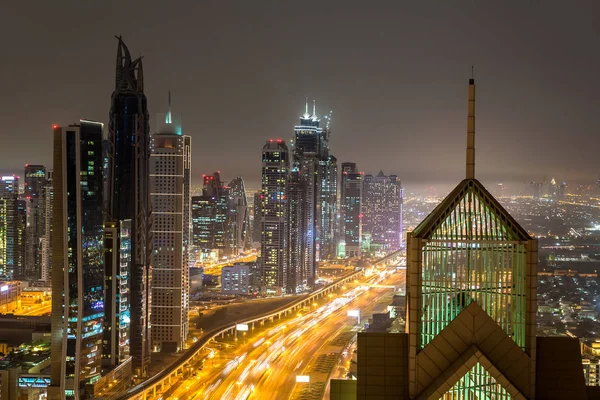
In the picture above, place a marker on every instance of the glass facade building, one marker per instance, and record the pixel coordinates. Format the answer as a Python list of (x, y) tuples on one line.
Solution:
[(471, 276), (351, 209), (128, 196), (78, 258), (275, 169)]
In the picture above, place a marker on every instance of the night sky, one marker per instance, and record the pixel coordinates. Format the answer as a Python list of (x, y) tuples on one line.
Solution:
[(394, 73)]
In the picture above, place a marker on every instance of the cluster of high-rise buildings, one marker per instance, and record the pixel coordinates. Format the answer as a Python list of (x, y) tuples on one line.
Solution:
[(120, 240), (299, 217), (220, 220), (25, 225), (114, 229), (551, 189)]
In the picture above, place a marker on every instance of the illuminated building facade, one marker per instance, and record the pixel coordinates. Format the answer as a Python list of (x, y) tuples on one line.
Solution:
[(471, 311), (238, 224), (117, 314), (35, 183), (327, 206), (295, 273), (13, 223), (128, 197), (47, 239), (275, 169), (210, 219), (317, 170), (351, 203), (170, 166), (256, 213), (382, 210), (77, 255)]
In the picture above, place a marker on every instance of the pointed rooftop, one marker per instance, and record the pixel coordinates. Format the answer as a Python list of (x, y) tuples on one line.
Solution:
[(129, 75), (471, 200)]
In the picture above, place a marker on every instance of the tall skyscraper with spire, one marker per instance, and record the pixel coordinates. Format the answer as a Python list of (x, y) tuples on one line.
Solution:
[(128, 200), (317, 172), (170, 168), (471, 310)]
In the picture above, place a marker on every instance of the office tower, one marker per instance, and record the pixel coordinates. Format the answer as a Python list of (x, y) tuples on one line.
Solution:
[(35, 182), (295, 270), (382, 210), (239, 216), (128, 198), (471, 316), (48, 218), (275, 168), (170, 164), (256, 215), (210, 219), (351, 202), (13, 223), (77, 257), (327, 206)]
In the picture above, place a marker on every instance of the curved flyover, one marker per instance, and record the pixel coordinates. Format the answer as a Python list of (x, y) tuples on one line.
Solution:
[(194, 354)]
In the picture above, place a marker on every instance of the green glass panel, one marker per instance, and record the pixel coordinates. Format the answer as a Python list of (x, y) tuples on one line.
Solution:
[(477, 384), (473, 256)]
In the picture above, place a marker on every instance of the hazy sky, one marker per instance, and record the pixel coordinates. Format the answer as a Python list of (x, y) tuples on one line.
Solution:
[(394, 73)]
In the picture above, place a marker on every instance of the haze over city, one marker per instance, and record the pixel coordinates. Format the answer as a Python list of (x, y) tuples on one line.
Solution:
[(300, 200), (393, 74)]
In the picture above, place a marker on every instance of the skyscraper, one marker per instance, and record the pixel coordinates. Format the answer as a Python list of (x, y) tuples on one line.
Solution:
[(382, 210), (469, 260), (275, 169), (77, 257), (239, 216), (351, 202), (256, 215), (327, 206), (170, 165), (295, 269), (48, 218), (212, 238), (13, 222), (35, 183), (471, 315), (128, 200)]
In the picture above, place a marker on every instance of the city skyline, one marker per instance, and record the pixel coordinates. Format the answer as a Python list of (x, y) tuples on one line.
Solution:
[(385, 109)]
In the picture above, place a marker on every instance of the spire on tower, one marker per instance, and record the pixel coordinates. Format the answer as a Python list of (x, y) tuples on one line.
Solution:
[(306, 115), (169, 118), (314, 114), (471, 129)]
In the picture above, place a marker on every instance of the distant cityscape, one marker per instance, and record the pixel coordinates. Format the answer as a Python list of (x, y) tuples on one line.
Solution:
[(122, 279)]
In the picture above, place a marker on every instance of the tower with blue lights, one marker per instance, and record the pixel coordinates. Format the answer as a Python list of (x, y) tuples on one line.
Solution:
[(77, 259)]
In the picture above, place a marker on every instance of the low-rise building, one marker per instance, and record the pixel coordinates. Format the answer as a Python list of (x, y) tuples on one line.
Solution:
[(10, 296), (235, 279)]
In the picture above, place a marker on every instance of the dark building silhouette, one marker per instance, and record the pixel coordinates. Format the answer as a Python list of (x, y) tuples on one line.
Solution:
[(128, 199)]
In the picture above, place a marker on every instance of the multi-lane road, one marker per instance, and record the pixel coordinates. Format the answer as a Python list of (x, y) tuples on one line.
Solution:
[(264, 364)]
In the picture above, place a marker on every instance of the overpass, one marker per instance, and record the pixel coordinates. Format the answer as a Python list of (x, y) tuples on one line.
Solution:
[(164, 379), (395, 257)]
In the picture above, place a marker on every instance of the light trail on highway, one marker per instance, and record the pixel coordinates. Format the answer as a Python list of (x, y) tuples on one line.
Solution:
[(264, 365)]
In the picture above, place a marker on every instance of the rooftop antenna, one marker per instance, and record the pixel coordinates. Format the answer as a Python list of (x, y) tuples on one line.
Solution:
[(169, 119), (471, 129)]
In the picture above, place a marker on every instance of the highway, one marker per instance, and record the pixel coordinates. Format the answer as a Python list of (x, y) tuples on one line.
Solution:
[(215, 268), (264, 365)]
